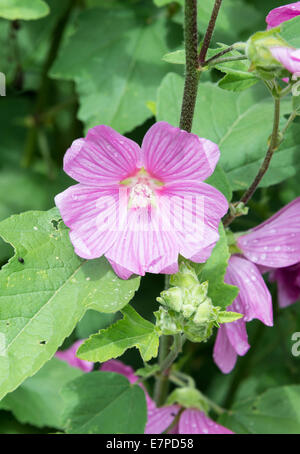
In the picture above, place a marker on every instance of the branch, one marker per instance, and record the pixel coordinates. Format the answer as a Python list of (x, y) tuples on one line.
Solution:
[(209, 31), (274, 142)]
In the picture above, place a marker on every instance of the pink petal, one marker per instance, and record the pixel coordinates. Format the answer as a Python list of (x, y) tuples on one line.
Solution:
[(288, 284), (281, 14), (224, 354), (254, 299), (196, 422), (288, 57), (171, 154), (159, 419), (91, 214), (195, 212), (69, 355), (103, 157), (275, 242), (143, 245)]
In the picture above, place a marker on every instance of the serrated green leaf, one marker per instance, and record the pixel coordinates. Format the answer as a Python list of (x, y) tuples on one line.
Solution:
[(104, 403), (242, 115), (214, 270), (37, 400), (276, 411), (119, 73), (131, 331), (23, 9), (43, 298)]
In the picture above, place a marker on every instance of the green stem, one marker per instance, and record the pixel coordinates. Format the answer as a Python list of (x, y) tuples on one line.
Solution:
[(162, 380), (191, 67), (274, 142), (226, 59), (209, 31), (289, 121), (220, 54)]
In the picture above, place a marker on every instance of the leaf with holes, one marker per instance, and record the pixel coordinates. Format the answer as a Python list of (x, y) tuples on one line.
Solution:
[(45, 290)]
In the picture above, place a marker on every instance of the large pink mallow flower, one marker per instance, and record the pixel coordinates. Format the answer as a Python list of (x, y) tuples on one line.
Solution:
[(288, 57), (141, 207), (253, 301), (158, 419), (281, 14), (272, 246)]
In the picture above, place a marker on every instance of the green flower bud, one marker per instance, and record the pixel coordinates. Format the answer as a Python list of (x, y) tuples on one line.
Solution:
[(168, 322), (258, 52), (186, 276), (188, 398), (204, 312), (172, 298)]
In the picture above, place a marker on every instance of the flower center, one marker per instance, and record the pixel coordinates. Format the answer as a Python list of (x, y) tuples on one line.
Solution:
[(141, 195), (142, 189)]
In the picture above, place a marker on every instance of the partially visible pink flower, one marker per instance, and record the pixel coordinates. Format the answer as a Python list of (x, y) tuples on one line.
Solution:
[(283, 13), (141, 207), (288, 284), (288, 57), (276, 242), (69, 355), (159, 419), (254, 301), (193, 421)]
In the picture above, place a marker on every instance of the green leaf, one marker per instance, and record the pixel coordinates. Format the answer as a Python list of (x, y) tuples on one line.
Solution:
[(23, 9), (104, 403), (37, 400), (220, 181), (115, 58), (91, 322), (228, 316), (237, 82), (290, 31), (9, 425), (131, 331), (242, 116), (177, 57), (276, 411), (43, 298), (214, 271)]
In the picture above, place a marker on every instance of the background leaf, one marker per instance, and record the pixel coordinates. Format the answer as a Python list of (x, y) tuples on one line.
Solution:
[(23, 9), (104, 403), (37, 400)]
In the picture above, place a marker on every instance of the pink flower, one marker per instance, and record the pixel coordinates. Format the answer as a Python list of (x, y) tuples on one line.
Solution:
[(254, 301), (276, 242), (288, 57), (283, 13), (273, 246), (141, 207), (159, 419), (193, 421), (288, 284)]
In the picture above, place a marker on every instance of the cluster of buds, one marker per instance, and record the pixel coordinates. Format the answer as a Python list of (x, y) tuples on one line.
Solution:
[(186, 307)]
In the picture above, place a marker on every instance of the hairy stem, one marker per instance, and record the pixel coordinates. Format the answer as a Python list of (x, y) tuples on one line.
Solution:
[(191, 67), (209, 31), (274, 142)]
